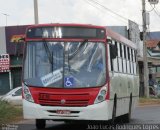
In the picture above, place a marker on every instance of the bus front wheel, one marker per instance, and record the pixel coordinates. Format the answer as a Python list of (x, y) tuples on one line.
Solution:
[(40, 123)]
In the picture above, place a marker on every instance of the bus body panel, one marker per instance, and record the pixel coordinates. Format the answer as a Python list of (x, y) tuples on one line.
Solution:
[(123, 85), (119, 86)]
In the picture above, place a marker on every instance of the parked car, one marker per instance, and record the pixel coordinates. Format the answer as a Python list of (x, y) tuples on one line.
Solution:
[(14, 96)]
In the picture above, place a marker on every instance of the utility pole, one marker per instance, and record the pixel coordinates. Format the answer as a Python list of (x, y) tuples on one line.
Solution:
[(145, 60), (36, 12)]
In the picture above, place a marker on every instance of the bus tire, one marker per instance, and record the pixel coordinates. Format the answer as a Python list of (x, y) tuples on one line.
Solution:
[(127, 117), (114, 111), (40, 123)]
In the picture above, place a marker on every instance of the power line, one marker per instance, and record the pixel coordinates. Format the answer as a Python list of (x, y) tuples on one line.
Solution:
[(97, 7), (97, 3), (92, 5), (155, 11), (104, 7), (151, 9)]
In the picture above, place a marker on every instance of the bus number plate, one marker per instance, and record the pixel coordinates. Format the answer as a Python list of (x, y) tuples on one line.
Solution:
[(65, 112)]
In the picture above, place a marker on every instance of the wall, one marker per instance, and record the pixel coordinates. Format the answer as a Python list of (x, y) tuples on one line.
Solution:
[(6, 46), (10, 31), (2, 40)]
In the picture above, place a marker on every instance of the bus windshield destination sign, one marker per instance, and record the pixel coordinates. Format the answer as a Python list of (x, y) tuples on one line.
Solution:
[(65, 32)]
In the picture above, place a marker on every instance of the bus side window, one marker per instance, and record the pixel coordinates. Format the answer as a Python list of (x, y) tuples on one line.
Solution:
[(135, 53), (132, 65), (135, 64), (124, 58), (132, 52), (109, 58), (111, 61), (128, 53), (130, 62), (120, 50), (117, 45), (124, 52), (120, 57), (113, 53), (127, 59), (115, 63)]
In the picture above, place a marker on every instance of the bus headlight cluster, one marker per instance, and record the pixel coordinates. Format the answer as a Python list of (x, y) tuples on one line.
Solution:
[(27, 94), (101, 95)]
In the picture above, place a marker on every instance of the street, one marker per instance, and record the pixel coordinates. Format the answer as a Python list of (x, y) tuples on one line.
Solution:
[(146, 115), (141, 115)]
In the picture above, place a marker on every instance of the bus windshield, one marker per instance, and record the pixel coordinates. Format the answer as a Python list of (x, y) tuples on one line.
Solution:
[(65, 64)]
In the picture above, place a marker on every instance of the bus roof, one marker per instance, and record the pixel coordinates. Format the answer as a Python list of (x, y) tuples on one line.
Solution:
[(109, 32), (120, 38)]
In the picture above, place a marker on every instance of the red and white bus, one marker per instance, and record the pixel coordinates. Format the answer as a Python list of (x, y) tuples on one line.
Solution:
[(78, 72)]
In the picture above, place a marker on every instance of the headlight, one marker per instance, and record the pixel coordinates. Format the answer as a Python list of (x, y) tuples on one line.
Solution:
[(101, 95), (27, 94), (103, 92)]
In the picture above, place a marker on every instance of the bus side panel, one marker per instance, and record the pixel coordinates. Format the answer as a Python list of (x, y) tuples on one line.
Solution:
[(123, 85)]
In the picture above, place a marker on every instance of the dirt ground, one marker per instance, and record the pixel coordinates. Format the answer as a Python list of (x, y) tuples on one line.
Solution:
[(149, 101)]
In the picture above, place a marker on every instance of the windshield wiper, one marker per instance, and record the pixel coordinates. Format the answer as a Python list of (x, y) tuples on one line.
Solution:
[(78, 49), (49, 53)]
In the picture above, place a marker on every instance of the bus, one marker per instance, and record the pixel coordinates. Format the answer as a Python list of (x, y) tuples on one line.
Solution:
[(78, 72)]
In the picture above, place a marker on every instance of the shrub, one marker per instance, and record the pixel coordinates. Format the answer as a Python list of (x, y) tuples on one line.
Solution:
[(9, 113)]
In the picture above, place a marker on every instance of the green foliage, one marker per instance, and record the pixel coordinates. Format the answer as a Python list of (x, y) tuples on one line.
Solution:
[(9, 113), (158, 96)]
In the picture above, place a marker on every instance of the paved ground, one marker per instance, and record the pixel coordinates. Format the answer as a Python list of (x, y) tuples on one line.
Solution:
[(147, 114), (142, 115)]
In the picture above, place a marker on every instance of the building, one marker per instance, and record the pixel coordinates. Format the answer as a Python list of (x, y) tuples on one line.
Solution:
[(11, 79), (153, 56), (153, 48)]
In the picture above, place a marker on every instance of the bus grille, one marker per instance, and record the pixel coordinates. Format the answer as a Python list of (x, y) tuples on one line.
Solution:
[(69, 103), (69, 100)]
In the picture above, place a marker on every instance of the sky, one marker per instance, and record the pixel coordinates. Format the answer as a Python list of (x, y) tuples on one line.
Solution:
[(21, 12)]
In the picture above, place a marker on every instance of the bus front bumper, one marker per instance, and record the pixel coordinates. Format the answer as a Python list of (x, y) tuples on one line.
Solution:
[(98, 111)]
